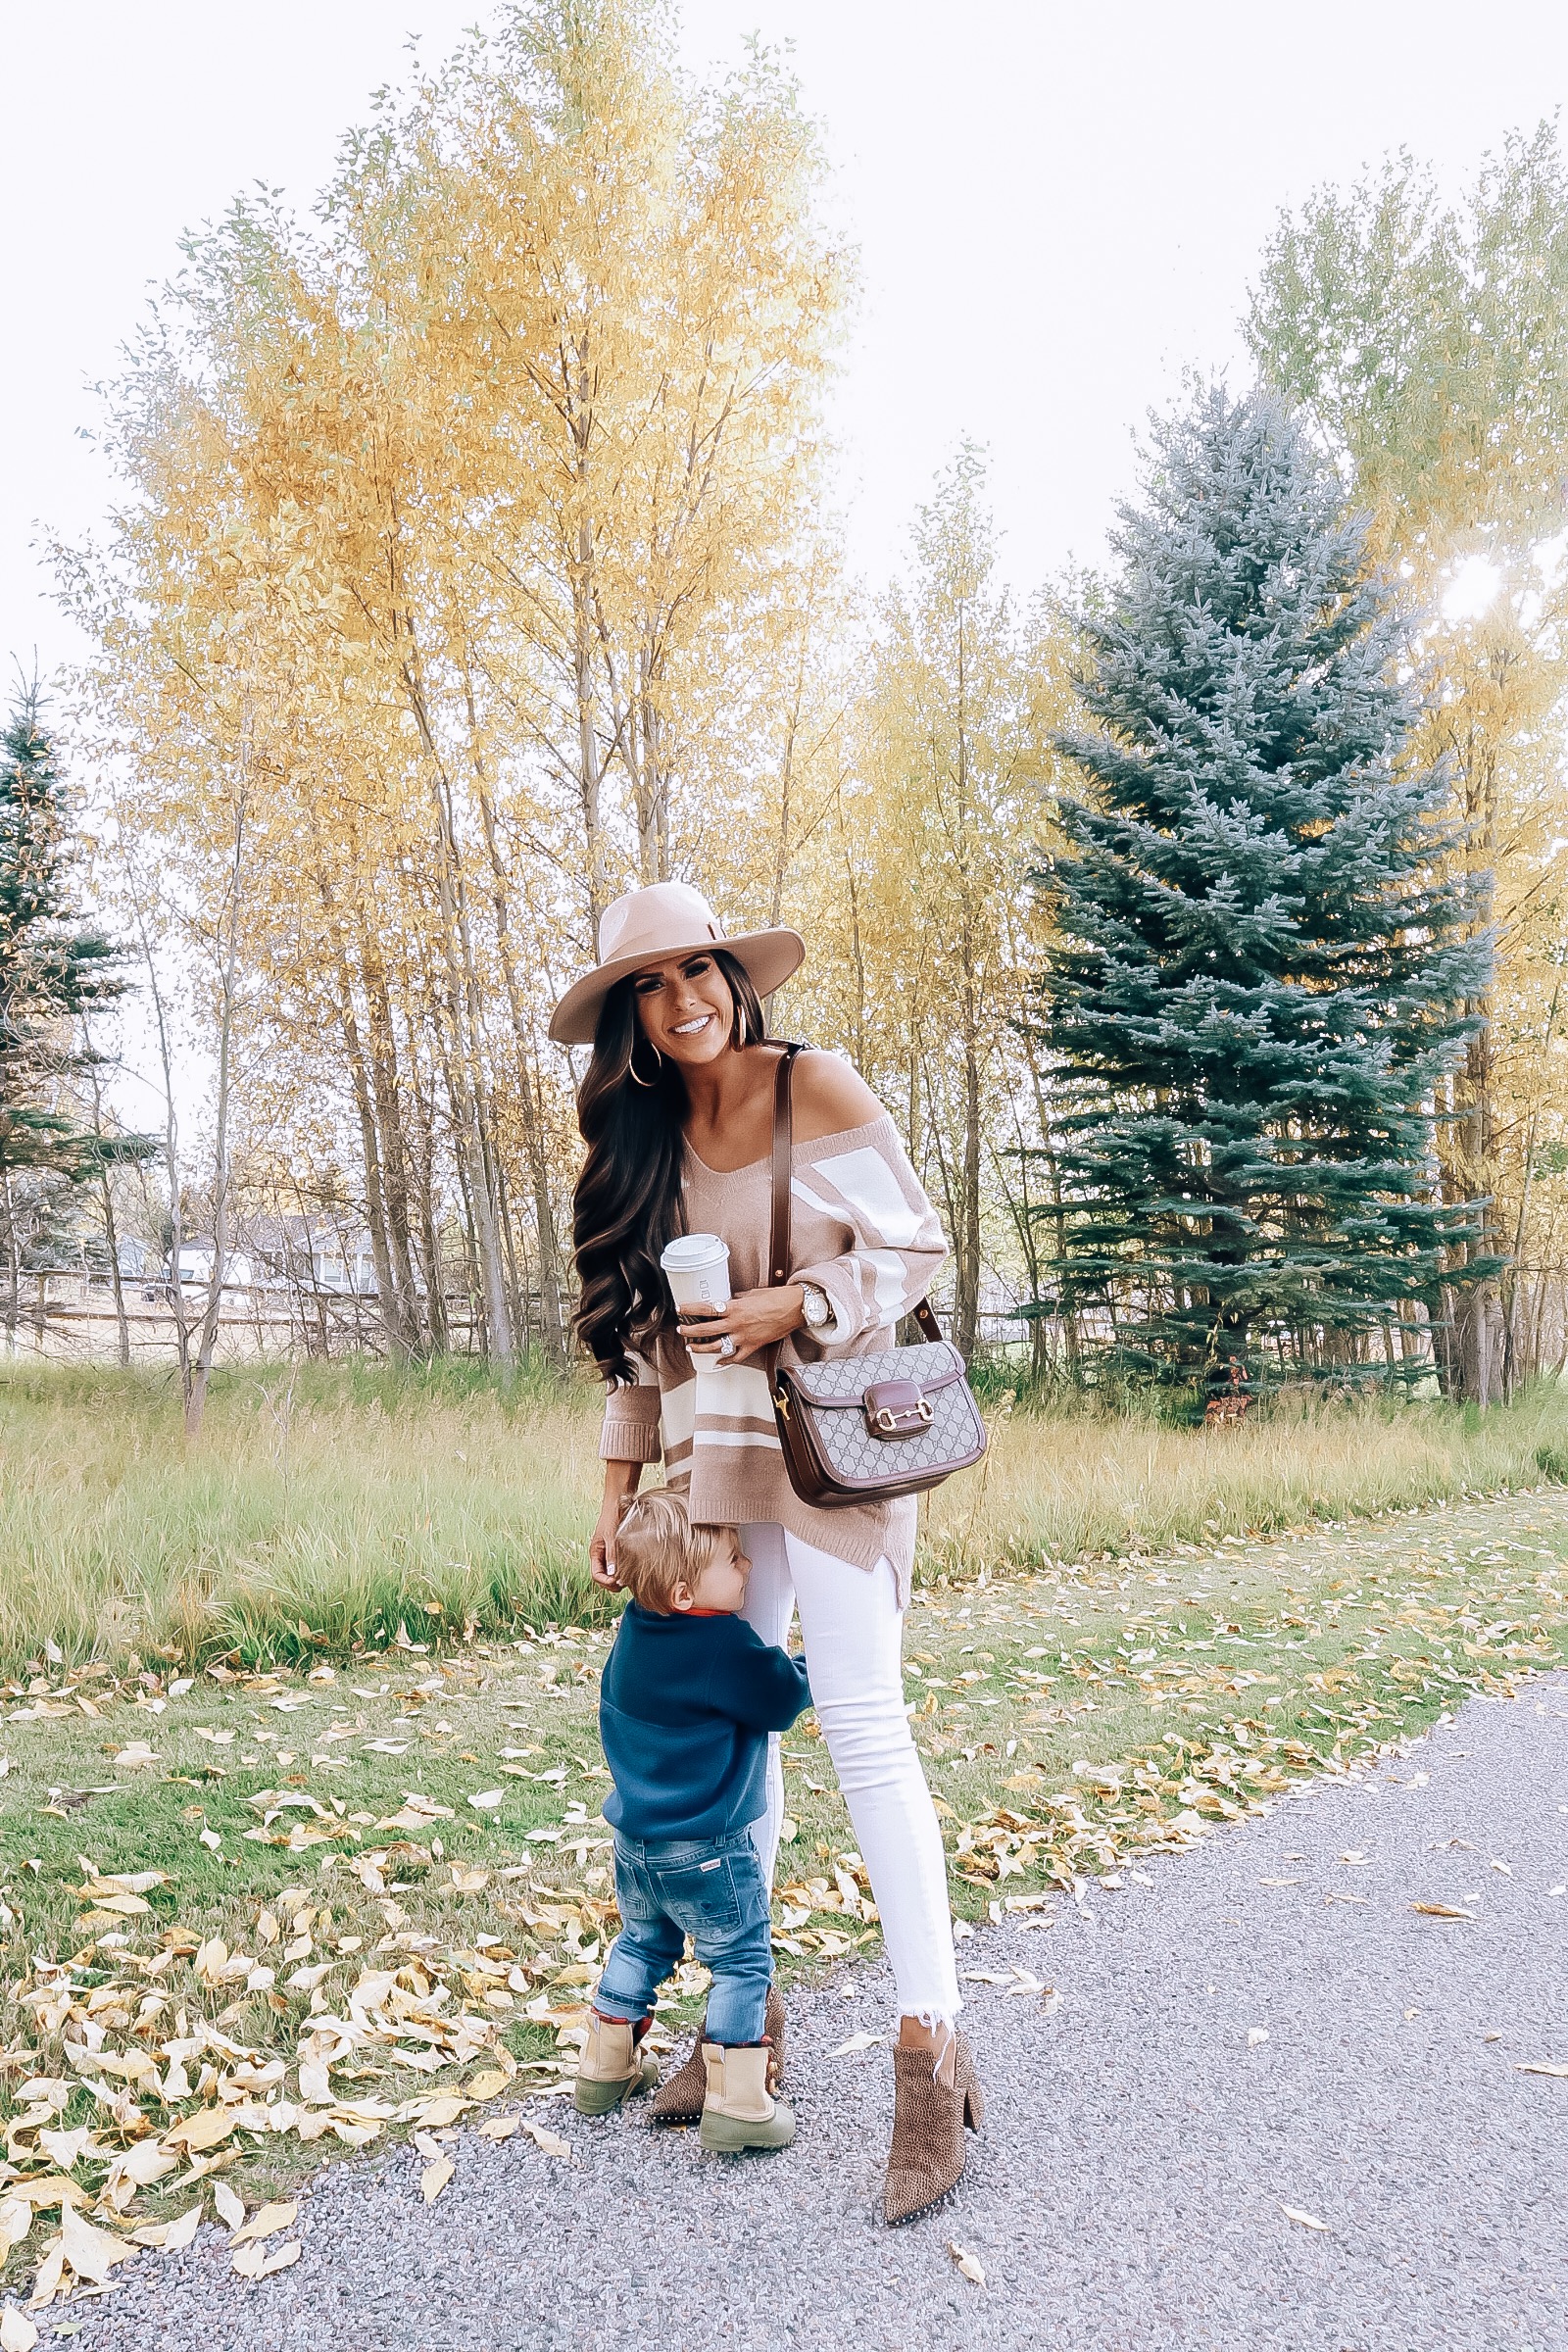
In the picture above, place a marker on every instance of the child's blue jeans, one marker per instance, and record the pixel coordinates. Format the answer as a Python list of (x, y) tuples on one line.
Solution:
[(712, 1889)]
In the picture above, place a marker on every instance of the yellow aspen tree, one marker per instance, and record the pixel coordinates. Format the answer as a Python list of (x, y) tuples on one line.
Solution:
[(1428, 343), (930, 849), (486, 485)]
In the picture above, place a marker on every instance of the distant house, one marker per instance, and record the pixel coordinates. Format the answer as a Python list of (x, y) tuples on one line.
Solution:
[(135, 1260), (196, 1262), (306, 1255), (342, 1267)]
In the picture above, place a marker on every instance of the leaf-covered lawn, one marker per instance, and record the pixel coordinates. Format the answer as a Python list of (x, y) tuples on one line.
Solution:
[(251, 1921)]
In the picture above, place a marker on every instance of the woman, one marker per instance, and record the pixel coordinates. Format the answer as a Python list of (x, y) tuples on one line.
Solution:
[(677, 1113)]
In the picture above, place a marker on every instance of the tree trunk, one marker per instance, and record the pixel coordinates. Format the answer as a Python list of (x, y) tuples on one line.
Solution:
[(429, 1236), (1510, 1347), (13, 1264), (199, 1373), (392, 1322), (589, 777), (395, 1158), (464, 1070), (966, 1239), (549, 1247), (112, 1237)]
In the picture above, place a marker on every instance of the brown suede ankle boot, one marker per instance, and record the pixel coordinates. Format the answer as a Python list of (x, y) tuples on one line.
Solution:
[(679, 2100), (932, 2101)]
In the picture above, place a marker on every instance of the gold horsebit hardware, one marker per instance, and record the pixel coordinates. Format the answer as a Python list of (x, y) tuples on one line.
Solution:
[(886, 1422), (889, 1423)]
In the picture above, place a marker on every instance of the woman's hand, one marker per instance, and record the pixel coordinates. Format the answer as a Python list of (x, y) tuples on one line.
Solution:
[(752, 1320), (621, 1479)]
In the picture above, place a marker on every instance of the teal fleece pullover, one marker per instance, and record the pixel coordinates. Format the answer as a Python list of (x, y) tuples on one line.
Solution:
[(685, 1708)]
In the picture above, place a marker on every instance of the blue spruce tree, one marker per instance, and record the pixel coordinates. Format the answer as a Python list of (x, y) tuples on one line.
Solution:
[(1260, 977), (53, 967)]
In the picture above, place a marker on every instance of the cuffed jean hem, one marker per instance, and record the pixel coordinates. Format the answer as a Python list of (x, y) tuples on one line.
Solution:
[(631, 2012)]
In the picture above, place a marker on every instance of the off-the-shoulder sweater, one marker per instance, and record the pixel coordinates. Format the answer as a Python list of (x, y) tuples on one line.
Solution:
[(863, 1230)]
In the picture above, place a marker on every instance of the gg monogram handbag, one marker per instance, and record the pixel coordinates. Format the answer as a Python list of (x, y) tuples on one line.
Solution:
[(868, 1427)]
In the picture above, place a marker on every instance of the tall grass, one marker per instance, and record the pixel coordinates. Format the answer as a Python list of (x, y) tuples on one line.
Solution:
[(1062, 1484), (320, 1506), (327, 1505)]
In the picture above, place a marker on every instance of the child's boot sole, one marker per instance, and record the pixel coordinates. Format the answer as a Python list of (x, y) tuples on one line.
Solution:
[(603, 2098), (729, 2135)]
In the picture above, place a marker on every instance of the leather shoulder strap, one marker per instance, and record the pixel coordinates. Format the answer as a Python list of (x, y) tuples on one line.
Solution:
[(924, 1315), (778, 1248)]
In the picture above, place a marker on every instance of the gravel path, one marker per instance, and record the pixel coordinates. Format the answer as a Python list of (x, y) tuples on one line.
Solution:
[(1127, 2193)]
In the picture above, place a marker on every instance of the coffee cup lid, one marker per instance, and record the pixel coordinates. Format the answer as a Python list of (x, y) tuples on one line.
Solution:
[(689, 1251)]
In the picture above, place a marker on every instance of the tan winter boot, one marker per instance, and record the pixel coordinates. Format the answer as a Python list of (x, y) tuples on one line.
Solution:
[(680, 2099), (613, 2068), (739, 2110), (929, 2113)]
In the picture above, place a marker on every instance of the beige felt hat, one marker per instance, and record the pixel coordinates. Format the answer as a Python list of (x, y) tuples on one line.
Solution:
[(667, 918)]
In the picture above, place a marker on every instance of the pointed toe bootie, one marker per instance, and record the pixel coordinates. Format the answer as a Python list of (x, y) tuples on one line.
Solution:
[(680, 2099), (931, 2105), (613, 2066), (738, 2111)]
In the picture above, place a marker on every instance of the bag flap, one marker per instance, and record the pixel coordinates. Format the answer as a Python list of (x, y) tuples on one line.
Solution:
[(843, 1384)]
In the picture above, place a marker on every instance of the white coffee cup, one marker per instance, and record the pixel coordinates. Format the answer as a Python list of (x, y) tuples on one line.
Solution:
[(697, 1269)]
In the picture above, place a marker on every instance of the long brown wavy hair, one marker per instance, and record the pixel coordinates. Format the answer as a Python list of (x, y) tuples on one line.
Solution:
[(627, 1202)]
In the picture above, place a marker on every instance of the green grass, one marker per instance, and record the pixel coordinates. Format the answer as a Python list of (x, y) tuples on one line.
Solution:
[(1061, 1486), (361, 1587), (324, 1506), (1072, 1721), (320, 1506)]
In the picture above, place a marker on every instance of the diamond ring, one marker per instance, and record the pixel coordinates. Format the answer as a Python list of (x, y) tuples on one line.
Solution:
[(726, 1345)]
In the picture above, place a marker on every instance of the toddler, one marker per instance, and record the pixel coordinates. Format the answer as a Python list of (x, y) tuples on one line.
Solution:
[(688, 1698)]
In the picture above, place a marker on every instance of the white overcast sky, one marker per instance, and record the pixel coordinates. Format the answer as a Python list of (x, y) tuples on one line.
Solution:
[(1057, 207)]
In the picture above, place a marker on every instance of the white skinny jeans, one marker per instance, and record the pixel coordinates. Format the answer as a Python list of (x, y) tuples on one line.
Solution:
[(853, 1629)]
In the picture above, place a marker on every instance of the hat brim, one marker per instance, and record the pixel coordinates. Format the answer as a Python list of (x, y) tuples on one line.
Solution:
[(767, 956)]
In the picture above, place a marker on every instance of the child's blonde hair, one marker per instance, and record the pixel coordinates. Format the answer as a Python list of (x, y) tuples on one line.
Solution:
[(657, 1549)]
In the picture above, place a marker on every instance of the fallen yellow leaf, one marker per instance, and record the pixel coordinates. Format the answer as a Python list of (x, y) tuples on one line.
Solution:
[(434, 2178), (50, 2275), (497, 2127), (260, 2262), (550, 2143), (17, 2331), (435, 2113), (489, 2085), (968, 2264), (168, 2238), (204, 2130), (266, 2222), (1441, 1911), (1538, 2067), (67, 2148), (91, 2252)]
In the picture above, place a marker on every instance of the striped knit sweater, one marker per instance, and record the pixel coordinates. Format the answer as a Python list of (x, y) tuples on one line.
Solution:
[(864, 1231)]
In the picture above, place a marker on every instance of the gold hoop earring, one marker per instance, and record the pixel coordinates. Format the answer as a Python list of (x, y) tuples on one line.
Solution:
[(635, 1074)]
